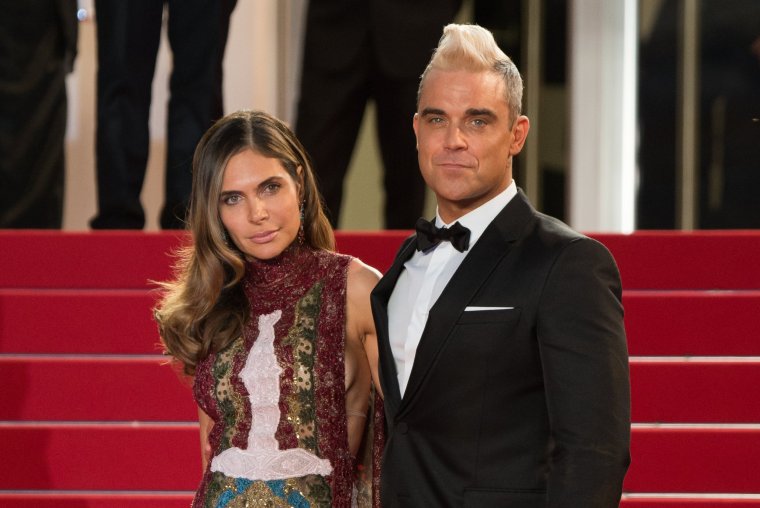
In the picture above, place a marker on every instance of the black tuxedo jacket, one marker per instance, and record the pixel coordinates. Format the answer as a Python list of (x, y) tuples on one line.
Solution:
[(526, 406)]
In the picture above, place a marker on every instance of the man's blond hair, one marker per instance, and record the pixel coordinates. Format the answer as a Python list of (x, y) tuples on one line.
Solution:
[(473, 48)]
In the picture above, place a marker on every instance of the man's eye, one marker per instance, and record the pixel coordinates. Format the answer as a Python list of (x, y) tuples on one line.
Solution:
[(435, 120), (479, 122)]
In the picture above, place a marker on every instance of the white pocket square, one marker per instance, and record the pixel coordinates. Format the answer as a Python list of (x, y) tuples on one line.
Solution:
[(470, 309)]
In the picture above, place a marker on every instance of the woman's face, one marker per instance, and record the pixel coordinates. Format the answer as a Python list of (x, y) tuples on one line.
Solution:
[(259, 205)]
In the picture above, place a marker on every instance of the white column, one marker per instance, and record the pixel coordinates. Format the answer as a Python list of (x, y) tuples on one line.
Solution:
[(602, 63), (687, 171), (532, 19)]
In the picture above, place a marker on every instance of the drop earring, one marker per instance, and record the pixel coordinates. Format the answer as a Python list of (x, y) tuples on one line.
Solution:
[(301, 233)]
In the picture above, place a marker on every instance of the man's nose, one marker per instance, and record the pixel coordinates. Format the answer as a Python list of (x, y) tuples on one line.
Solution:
[(454, 139)]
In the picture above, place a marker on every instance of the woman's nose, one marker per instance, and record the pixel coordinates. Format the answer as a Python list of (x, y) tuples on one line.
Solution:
[(257, 211)]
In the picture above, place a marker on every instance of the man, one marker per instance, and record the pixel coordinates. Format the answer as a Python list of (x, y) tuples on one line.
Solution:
[(503, 365)]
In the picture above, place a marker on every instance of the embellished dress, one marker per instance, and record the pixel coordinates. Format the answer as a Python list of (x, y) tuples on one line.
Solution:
[(277, 395)]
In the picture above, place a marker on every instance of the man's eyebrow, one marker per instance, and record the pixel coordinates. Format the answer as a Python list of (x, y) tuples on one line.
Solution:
[(481, 112), (432, 111)]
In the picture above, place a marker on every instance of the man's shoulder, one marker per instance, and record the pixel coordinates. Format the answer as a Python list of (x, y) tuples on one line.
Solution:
[(548, 235), (556, 236), (554, 227)]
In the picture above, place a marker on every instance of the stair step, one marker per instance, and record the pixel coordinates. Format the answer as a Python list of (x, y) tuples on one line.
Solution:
[(694, 391), (158, 500), (686, 259), (727, 501), (94, 500), (119, 457), (112, 259), (696, 323), (702, 459), (94, 389), (671, 391), (102, 259), (154, 457), (658, 323), (78, 321)]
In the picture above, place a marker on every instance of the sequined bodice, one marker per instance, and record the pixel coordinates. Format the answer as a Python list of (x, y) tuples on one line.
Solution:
[(277, 394)]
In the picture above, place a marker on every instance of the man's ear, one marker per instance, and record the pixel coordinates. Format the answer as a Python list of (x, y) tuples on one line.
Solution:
[(415, 125), (519, 134)]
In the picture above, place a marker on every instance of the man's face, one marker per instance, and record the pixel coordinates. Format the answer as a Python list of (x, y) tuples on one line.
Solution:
[(465, 141)]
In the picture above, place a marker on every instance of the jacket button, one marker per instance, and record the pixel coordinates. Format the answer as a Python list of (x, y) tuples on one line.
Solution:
[(402, 427)]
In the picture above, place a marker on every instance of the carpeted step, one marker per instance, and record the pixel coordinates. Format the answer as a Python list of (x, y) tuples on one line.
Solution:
[(142, 389), (694, 391), (658, 323), (693, 459), (117, 457), (686, 260), (692, 323), (125, 259), (148, 390), (130, 259), (715, 501), (71, 321), (95, 500), (155, 500), (140, 457), (103, 259)]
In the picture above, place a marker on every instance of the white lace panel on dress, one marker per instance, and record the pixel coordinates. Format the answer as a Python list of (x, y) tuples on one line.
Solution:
[(263, 460)]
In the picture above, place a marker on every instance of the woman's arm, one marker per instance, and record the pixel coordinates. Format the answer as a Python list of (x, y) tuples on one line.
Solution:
[(361, 350), (206, 424), (362, 279)]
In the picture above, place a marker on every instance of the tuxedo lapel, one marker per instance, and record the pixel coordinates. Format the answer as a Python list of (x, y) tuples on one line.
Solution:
[(495, 243), (379, 300)]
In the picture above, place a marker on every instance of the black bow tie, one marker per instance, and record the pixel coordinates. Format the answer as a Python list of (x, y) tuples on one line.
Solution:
[(429, 236)]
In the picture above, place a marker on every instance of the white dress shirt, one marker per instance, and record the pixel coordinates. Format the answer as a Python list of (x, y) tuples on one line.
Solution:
[(424, 278)]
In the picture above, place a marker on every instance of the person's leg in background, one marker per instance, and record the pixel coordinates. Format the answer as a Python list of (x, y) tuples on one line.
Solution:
[(197, 33), (396, 100), (128, 35), (334, 91), (38, 45)]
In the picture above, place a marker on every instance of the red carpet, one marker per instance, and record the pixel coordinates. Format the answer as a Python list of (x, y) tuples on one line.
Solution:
[(90, 415)]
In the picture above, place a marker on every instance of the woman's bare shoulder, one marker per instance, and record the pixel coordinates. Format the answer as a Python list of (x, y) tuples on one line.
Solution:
[(362, 278)]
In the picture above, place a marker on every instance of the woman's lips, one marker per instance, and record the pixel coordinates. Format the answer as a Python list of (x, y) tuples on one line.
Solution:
[(263, 237)]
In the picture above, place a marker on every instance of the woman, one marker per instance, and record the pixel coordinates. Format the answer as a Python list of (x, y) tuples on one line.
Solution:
[(274, 326)]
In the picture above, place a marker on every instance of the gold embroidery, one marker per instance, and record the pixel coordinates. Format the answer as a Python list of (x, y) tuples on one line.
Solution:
[(301, 337)]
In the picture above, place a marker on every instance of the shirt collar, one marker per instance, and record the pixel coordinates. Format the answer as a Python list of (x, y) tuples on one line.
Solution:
[(478, 220)]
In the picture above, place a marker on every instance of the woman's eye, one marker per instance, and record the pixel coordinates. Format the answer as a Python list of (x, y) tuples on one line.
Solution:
[(271, 188), (231, 199)]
